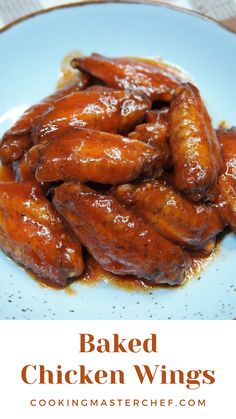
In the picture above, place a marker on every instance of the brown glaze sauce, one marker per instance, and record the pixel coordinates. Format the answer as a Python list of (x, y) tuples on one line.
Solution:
[(94, 274)]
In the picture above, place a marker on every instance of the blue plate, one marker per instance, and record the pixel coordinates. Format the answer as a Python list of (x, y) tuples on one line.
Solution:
[(31, 52)]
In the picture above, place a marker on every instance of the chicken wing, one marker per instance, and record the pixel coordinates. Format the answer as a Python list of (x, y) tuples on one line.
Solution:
[(226, 199), (97, 107), (33, 234), (194, 146), (18, 139), (89, 155), (118, 240), (155, 133), (154, 78), (171, 215)]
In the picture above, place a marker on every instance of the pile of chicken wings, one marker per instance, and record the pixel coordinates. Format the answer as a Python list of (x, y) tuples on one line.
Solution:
[(122, 163)]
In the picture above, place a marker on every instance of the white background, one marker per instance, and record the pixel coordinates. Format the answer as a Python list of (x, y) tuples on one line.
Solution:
[(181, 344)]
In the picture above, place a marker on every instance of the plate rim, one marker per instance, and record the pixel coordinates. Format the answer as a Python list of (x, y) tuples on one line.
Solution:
[(82, 3)]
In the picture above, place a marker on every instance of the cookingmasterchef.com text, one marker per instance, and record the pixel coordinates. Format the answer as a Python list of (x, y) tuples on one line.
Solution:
[(118, 403)]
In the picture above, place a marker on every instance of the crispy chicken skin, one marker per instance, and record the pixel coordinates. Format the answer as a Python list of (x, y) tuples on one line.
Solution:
[(18, 138), (117, 239), (171, 215), (194, 146), (97, 107), (155, 79), (156, 134), (33, 234), (89, 155), (226, 198)]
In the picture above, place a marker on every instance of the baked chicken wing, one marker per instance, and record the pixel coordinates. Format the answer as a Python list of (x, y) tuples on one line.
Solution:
[(171, 215), (118, 240), (89, 155), (18, 138), (194, 146), (226, 199), (33, 234), (155, 79), (97, 107)]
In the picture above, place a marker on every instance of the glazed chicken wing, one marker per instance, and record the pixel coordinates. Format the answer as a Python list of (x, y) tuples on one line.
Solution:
[(171, 215), (97, 107), (226, 199), (33, 234), (18, 138), (118, 240), (89, 155), (155, 79), (155, 133), (194, 146)]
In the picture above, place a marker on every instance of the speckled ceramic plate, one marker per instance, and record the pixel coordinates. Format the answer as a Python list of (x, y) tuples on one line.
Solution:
[(31, 52)]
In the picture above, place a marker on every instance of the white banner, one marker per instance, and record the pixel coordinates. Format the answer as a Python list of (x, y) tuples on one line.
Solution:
[(160, 369)]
